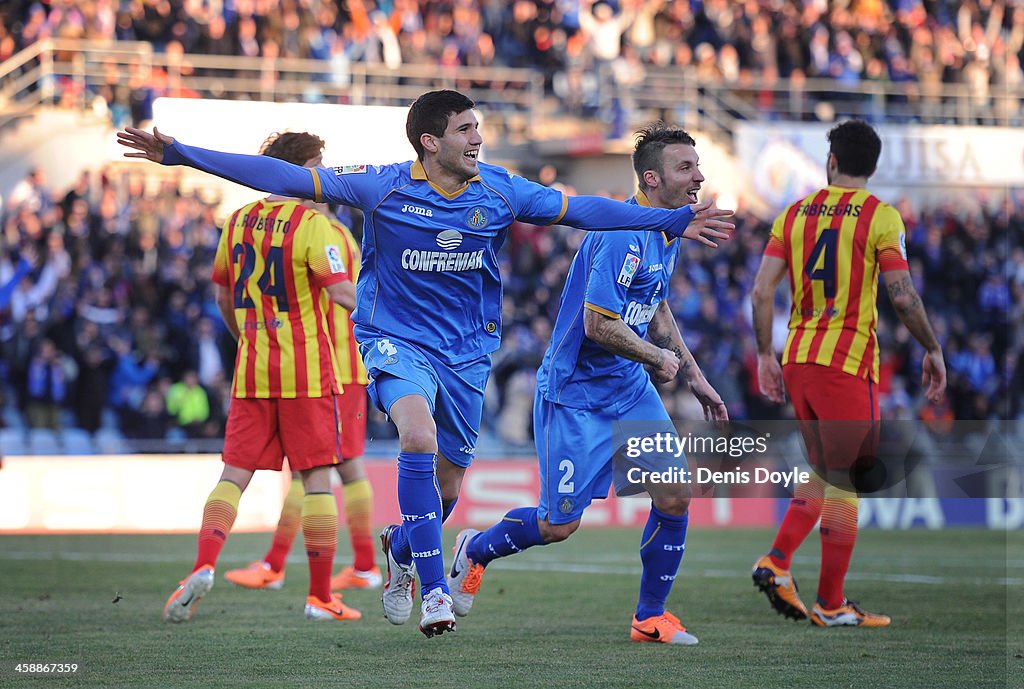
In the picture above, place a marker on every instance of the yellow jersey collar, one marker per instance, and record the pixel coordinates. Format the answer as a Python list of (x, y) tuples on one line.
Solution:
[(642, 200), (419, 173)]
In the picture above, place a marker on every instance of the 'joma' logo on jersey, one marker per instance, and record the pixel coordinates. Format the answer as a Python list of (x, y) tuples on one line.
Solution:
[(425, 212)]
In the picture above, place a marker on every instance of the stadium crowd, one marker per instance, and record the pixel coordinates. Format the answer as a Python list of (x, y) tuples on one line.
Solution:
[(108, 319), (916, 45)]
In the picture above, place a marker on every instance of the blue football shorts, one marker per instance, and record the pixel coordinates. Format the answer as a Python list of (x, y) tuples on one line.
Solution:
[(455, 393), (581, 451)]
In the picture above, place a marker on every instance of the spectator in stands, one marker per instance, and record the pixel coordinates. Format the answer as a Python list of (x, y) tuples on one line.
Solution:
[(90, 397), (150, 421), (49, 375), (188, 404)]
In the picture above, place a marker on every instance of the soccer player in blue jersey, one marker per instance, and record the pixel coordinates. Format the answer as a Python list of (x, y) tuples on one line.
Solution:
[(428, 300), (595, 388)]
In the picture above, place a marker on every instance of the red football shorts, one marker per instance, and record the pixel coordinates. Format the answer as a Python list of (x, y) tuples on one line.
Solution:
[(260, 432), (352, 409), (837, 414)]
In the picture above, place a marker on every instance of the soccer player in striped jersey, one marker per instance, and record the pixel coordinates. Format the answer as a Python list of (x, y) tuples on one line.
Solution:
[(279, 268), (302, 148), (832, 245), (429, 300)]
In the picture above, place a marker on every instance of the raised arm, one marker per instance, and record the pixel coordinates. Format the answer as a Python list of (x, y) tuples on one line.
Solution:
[(701, 222), (769, 371), (259, 172), (910, 310), (664, 332)]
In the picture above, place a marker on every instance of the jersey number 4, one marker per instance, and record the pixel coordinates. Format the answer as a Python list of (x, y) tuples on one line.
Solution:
[(825, 251), (270, 282)]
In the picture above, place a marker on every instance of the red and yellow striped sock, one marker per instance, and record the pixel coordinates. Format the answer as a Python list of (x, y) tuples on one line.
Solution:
[(359, 513), (287, 526), (320, 531), (218, 518), (801, 516), (838, 535)]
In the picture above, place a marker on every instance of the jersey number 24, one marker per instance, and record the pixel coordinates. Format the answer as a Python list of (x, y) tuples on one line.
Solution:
[(270, 281)]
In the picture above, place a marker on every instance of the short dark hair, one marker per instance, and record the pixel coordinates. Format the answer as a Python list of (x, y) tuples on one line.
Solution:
[(856, 146), (650, 145), (429, 114), (293, 147)]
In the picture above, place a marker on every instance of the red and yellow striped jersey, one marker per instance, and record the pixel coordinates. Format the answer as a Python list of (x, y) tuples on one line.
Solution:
[(835, 241), (350, 364), (277, 257)]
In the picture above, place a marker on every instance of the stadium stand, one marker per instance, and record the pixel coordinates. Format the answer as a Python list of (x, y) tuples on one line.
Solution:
[(114, 270), (118, 282), (895, 60)]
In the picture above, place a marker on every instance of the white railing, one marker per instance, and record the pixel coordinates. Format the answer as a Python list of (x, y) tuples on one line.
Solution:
[(73, 72)]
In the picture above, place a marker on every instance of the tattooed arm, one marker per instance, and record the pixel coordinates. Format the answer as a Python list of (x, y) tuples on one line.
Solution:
[(617, 338), (910, 310), (664, 332)]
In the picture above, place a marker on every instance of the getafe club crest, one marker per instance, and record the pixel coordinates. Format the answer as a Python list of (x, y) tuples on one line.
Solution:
[(477, 218), (566, 505)]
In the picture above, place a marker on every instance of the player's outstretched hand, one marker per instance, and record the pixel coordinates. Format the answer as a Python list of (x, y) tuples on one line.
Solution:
[(707, 224), (714, 407), (667, 368), (145, 145), (933, 374), (769, 378)]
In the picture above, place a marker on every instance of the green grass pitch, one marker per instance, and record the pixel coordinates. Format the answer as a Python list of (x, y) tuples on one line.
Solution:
[(553, 617)]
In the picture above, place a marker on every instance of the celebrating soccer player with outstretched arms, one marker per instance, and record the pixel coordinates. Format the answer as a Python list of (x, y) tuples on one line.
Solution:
[(428, 314), (833, 244), (593, 380)]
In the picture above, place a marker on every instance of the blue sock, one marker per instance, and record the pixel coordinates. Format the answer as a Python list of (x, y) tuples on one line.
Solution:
[(400, 548), (517, 531), (661, 551), (419, 499)]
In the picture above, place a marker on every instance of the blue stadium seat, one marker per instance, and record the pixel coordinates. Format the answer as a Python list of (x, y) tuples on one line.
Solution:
[(77, 442), (43, 441), (12, 441)]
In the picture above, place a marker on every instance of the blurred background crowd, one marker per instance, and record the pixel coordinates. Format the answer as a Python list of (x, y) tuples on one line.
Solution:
[(107, 315), (108, 321), (916, 45)]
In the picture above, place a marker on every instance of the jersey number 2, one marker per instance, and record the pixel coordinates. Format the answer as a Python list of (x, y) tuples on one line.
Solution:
[(825, 247), (566, 484), (270, 282)]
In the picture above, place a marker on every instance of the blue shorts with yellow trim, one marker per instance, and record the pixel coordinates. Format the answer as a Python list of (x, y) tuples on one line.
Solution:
[(455, 393), (581, 451)]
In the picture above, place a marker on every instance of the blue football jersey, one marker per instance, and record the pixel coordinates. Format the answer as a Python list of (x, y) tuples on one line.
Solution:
[(619, 274), (429, 269)]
